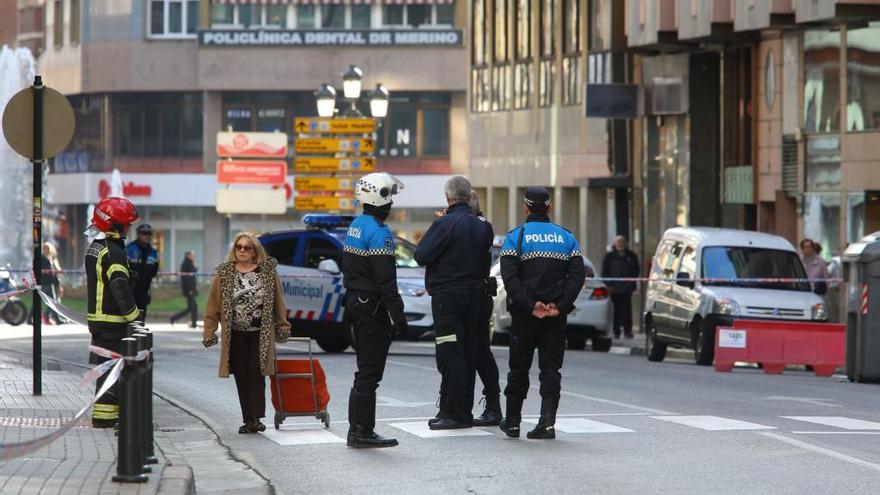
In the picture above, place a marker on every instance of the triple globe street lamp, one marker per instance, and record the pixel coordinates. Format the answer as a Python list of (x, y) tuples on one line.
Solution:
[(352, 83)]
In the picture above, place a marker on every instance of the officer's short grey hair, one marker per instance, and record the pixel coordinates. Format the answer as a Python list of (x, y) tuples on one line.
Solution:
[(458, 189), (474, 201)]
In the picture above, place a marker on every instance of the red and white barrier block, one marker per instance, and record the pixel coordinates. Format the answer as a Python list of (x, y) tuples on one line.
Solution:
[(774, 344)]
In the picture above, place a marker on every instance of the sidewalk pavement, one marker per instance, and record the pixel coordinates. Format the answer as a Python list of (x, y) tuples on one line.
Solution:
[(83, 461)]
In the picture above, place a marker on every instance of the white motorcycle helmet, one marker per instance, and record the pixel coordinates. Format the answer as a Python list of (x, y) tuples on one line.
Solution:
[(377, 188)]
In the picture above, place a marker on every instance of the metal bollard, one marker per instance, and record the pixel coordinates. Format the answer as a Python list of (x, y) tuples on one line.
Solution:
[(141, 392), (129, 462), (147, 402)]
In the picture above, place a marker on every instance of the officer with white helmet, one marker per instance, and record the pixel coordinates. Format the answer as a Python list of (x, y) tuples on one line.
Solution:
[(371, 302)]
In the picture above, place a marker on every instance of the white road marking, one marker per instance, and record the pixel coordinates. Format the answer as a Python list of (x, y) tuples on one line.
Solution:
[(823, 451), (836, 432), (815, 401), (421, 430), (301, 436), (713, 423), (838, 422), (581, 425), (392, 402)]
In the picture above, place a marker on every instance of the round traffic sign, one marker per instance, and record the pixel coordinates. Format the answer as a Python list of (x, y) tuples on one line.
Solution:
[(18, 122)]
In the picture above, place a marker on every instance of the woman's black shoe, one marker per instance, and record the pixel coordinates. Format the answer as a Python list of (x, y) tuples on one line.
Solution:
[(257, 426), (245, 428)]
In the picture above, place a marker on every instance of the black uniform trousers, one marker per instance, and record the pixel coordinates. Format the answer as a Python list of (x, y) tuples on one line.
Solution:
[(244, 363), (484, 361), (456, 324), (528, 333), (142, 299), (192, 308), (372, 328), (107, 406), (622, 313)]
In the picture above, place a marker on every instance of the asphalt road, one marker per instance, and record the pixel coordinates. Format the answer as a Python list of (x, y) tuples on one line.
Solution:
[(625, 426)]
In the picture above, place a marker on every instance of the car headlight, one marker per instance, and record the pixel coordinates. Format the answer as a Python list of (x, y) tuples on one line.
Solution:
[(819, 312), (411, 290), (724, 306)]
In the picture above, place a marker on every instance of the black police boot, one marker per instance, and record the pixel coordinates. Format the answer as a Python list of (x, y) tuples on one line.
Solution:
[(362, 420), (492, 414), (545, 429), (510, 424), (441, 409)]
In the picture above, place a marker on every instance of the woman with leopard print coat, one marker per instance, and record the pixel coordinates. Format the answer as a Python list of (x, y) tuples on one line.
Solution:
[(246, 301)]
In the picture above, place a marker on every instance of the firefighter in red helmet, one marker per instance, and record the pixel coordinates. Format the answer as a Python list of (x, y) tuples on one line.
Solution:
[(111, 304)]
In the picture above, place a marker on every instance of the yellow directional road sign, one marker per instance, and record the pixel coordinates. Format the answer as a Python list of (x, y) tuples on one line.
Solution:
[(329, 164), (334, 126), (322, 203), (322, 184), (333, 145)]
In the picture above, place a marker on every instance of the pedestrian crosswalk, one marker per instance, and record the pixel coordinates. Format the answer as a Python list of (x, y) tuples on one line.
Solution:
[(579, 425)]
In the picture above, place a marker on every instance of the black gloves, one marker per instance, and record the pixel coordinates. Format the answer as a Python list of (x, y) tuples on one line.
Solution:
[(401, 328)]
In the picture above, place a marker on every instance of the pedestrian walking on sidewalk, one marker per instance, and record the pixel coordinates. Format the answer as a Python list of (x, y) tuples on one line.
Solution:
[(456, 250), (372, 302), (247, 303), (543, 271), (815, 265), (111, 304), (621, 262), (188, 287)]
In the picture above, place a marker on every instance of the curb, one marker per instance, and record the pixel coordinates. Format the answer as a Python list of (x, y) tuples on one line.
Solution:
[(177, 480), (672, 352)]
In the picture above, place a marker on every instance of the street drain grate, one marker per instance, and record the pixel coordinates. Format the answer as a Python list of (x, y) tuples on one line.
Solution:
[(171, 430), (25, 422)]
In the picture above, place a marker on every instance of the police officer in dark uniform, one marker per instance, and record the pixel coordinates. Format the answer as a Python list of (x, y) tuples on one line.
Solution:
[(456, 251), (111, 304), (144, 262), (370, 278), (543, 272)]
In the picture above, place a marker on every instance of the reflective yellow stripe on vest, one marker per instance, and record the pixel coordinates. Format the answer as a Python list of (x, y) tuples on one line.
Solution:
[(105, 411), (446, 339), (99, 315), (116, 267)]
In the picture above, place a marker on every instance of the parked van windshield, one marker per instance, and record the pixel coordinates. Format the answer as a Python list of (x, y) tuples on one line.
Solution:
[(732, 263)]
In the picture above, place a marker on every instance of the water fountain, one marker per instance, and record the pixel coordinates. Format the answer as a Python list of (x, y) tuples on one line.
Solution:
[(17, 69)]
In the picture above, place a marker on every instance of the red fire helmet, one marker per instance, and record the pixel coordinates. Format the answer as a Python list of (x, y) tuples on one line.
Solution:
[(114, 214)]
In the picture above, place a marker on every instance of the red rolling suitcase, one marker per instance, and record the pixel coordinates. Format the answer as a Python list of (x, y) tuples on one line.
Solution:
[(299, 388)]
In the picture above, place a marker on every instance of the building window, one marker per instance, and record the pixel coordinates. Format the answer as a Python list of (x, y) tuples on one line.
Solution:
[(74, 21), (173, 18), (863, 78), (418, 15), (58, 23), (157, 125), (222, 14), (821, 81), (361, 16), (480, 75), (599, 29), (522, 72), (332, 16), (305, 16), (572, 52), (547, 64), (501, 69)]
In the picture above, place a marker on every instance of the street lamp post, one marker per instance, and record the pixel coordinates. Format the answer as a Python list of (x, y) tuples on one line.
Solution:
[(325, 98)]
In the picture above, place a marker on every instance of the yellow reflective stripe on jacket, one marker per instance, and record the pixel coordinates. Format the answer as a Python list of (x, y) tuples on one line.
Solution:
[(133, 315), (99, 289), (114, 318), (116, 267), (446, 338), (105, 411)]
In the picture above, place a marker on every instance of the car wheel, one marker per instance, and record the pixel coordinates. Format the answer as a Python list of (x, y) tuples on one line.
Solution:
[(15, 313), (600, 344), (332, 343), (654, 349), (703, 343), (577, 343)]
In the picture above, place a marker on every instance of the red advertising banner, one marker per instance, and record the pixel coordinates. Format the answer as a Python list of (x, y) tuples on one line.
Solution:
[(270, 172), (251, 145)]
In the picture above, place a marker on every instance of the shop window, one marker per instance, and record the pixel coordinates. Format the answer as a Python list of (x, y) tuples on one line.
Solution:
[(270, 120), (436, 132), (416, 126), (173, 18), (238, 119), (157, 125), (332, 16), (821, 81), (402, 131), (863, 78), (361, 16), (58, 23), (305, 16), (822, 221)]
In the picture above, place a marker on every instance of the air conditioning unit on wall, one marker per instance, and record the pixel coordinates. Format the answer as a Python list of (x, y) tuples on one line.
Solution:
[(666, 96)]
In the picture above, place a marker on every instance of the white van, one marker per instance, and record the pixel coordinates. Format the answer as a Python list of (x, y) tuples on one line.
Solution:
[(696, 285)]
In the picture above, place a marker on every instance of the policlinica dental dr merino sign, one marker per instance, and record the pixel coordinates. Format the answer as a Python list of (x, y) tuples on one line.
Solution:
[(397, 37)]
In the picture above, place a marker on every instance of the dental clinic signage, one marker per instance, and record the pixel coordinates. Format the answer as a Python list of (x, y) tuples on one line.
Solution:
[(344, 37)]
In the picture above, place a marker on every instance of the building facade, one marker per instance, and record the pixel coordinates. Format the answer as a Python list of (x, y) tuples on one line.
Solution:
[(153, 81)]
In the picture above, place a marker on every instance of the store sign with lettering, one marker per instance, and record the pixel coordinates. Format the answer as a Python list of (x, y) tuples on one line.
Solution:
[(128, 189), (325, 37)]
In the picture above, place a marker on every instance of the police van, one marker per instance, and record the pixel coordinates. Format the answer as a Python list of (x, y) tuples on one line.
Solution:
[(309, 261)]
